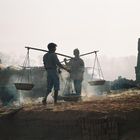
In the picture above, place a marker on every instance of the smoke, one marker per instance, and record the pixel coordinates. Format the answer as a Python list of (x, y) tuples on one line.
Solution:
[(87, 90), (8, 94), (25, 99), (111, 68), (11, 59)]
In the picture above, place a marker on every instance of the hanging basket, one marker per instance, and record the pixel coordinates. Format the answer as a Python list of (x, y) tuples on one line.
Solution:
[(24, 86), (96, 82), (27, 85), (71, 97), (100, 80)]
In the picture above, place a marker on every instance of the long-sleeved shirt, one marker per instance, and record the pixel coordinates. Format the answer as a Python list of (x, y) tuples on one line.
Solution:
[(77, 68)]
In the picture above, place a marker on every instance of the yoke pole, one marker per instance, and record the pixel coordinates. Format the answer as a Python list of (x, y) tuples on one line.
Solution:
[(88, 53), (48, 51), (84, 55)]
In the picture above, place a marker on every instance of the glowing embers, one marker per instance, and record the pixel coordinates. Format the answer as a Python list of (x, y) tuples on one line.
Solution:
[(97, 74), (25, 79)]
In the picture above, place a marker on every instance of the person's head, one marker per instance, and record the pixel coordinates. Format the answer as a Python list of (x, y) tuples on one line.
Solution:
[(76, 52), (52, 47)]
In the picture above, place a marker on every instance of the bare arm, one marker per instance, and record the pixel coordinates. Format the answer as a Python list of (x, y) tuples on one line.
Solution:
[(59, 64)]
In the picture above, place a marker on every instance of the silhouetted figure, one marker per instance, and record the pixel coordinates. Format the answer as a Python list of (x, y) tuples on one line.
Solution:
[(51, 62), (76, 66)]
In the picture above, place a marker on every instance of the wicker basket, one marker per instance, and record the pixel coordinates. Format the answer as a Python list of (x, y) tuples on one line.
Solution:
[(96, 82), (71, 97), (24, 86)]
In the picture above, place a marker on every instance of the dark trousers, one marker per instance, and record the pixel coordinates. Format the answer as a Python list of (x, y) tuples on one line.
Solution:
[(78, 86)]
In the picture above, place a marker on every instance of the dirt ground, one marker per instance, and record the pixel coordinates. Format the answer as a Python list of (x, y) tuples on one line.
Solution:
[(109, 117), (124, 101)]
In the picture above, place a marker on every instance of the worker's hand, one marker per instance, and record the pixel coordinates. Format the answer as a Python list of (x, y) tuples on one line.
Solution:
[(65, 60), (59, 71), (68, 70)]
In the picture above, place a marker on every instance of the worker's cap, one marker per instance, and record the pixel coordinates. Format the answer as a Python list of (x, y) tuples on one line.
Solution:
[(51, 45)]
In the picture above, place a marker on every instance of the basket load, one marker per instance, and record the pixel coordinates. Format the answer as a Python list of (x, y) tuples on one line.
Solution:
[(71, 97), (97, 74), (24, 86), (69, 93), (24, 81), (97, 82)]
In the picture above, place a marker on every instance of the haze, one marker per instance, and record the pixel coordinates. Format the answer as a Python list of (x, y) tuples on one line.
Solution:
[(110, 26)]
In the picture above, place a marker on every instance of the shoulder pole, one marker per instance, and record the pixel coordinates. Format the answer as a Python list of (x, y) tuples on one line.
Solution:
[(84, 55), (48, 51)]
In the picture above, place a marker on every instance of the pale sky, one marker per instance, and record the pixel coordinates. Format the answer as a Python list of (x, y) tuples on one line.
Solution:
[(110, 26)]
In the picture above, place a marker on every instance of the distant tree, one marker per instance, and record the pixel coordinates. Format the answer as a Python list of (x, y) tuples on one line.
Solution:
[(122, 83)]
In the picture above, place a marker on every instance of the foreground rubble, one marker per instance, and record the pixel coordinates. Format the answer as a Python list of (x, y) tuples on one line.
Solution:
[(112, 117)]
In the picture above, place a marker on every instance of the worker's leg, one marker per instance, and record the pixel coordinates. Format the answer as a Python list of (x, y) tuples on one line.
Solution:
[(78, 86), (49, 87), (52, 80), (45, 98), (55, 96), (56, 86)]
